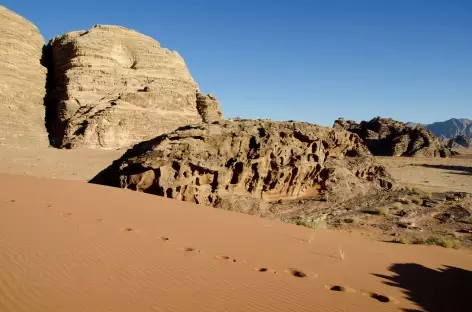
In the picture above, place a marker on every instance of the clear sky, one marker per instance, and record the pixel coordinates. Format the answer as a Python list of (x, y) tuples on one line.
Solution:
[(309, 60)]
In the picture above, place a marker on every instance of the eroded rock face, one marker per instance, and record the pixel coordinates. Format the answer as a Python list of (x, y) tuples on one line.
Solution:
[(209, 107), (387, 137), (22, 82), (242, 162), (110, 87)]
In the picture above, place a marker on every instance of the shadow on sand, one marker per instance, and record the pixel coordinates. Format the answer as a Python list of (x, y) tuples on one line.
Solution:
[(465, 170), (446, 289)]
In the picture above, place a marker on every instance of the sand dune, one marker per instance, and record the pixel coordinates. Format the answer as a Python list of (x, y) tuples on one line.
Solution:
[(71, 246)]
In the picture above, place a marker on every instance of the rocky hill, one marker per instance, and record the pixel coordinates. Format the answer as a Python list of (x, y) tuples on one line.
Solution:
[(448, 129), (245, 162), (451, 128), (110, 87), (387, 137), (460, 141), (22, 80)]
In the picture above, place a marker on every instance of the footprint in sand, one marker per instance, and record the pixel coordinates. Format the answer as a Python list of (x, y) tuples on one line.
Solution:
[(190, 249), (337, 288), (340, 288), (381, 298), (226, 258), (296, 273), (265, 270)]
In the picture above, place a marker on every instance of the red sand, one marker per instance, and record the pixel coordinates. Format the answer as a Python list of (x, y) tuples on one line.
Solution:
[(71, 246)]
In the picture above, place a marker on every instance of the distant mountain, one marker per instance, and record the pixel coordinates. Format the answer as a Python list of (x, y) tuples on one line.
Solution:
[(451, 128), (448, 129), (413, 124)]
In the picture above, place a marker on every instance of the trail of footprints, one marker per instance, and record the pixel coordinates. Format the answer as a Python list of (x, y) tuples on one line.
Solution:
[(291, 271), (295, 273)]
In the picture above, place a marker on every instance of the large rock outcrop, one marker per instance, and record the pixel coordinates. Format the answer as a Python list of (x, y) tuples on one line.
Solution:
[(22, 82), (209, 107), (246, 161), (110, 87), (387, 137)]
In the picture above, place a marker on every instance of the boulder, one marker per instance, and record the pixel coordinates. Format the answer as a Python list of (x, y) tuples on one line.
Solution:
[(387, 137), (111, 87), (246, 162), (209, 107), (22, 82)]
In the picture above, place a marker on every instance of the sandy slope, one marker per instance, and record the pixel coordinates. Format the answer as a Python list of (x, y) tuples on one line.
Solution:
[(71, 246), (78, 164)]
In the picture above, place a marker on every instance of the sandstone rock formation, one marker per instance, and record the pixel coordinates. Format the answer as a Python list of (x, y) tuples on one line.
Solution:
[(209, 108), (110, 87), (387, 137), (22, 82), (242, 162)]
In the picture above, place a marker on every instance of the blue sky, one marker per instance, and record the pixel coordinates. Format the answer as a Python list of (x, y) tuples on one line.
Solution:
[(303, 60)]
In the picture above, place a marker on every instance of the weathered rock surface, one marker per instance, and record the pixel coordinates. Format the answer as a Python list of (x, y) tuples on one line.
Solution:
[(248, 162), (387, 137), (460, 141), (110, 87), (209, 107), (22, 82)]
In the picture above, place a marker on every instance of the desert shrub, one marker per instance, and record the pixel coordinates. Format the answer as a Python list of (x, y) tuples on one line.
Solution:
[(401, 240), (384, 211), (352, 220), (307, 221), (397, 206), (422, 194), (438, 241), (416, 200)]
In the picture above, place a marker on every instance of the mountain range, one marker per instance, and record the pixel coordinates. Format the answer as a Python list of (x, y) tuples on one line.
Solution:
[(450, 128)]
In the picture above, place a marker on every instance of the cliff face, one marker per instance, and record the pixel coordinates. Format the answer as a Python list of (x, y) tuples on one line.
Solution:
[(111, 87), (250, 161), (22, 82)]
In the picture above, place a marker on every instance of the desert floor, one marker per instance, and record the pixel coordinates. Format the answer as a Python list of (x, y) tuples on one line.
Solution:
[(71, 246), (433, 174)]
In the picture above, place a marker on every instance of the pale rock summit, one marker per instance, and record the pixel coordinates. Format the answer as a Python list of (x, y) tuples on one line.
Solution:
[(111, 87), (22, 82), (209, 107)]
